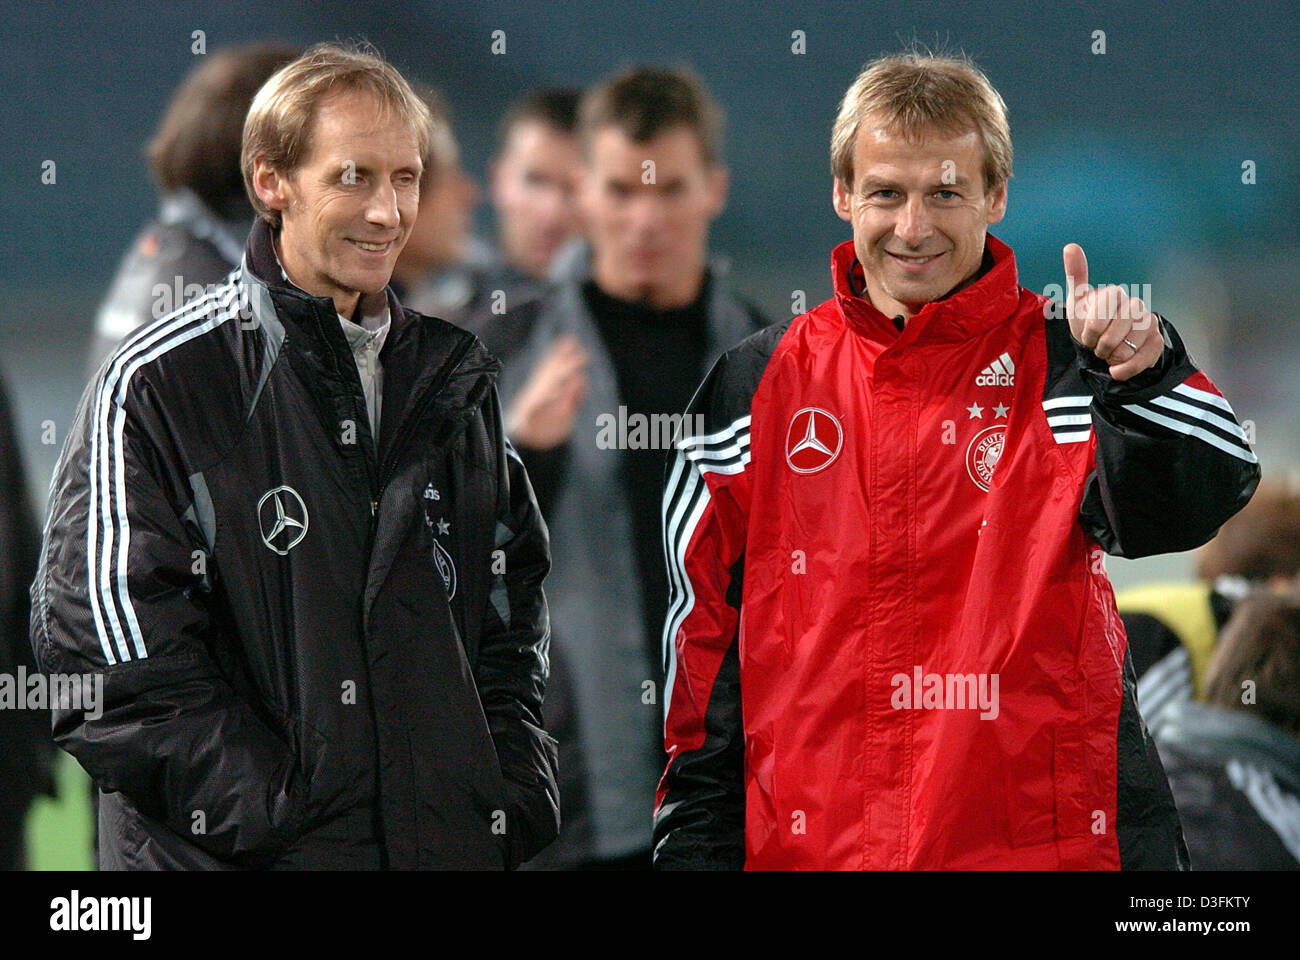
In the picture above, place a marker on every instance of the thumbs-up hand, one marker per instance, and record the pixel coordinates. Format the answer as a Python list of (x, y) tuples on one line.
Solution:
[(1116, 327)]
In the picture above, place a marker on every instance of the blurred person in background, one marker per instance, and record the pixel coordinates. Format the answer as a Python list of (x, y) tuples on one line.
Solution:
[(197, 236), (434, 256), (628, 339), (26, 748), (1233, 761), (533, 184), (1173, 627)]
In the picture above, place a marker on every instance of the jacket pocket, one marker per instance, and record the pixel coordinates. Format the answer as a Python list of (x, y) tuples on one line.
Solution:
[(487, 778)]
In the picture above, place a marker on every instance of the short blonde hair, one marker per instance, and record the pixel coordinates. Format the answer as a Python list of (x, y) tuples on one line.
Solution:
[(914, 93), (282, 115)]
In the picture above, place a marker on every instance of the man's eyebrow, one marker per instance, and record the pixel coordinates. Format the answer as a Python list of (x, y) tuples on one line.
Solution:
[(363, 168), (873, 183)]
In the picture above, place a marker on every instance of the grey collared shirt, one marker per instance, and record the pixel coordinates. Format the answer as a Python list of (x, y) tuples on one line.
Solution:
[(367, 339)]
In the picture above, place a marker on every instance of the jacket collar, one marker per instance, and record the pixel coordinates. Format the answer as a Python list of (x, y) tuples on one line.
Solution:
[(306, 311), (728, 322), (260, 257), (183, 207), (417, 351), (969, 312)]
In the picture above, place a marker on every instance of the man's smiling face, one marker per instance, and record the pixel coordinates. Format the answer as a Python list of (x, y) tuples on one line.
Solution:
[(919, 211), (348, 208)]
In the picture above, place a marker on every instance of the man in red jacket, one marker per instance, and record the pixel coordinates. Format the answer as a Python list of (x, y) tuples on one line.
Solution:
[(891, 641)]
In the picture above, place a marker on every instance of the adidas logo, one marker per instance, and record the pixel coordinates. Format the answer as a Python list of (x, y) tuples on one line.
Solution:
[(1000, 373)]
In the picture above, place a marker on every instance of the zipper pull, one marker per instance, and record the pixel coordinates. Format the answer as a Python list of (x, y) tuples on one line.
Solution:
[(374, 507)]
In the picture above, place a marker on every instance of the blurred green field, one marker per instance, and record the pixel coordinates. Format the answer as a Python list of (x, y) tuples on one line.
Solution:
[(59, 830)]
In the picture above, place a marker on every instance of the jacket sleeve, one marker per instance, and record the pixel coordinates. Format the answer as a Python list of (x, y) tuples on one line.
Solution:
[(547, 470), (513, 656), (699, 820), (117, 597), (1171, 462)]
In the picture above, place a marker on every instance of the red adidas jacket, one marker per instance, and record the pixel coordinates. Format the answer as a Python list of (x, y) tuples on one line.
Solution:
[(891, 642)]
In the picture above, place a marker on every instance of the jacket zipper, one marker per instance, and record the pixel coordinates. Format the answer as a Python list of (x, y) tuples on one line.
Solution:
[(408, 427)]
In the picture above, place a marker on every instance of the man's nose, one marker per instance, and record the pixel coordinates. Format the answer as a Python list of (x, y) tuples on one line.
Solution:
[(646, 213), (382, 208), (553, 204), (914, 225)]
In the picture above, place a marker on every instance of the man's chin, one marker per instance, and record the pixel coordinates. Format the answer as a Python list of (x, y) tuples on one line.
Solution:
[(919, 290), (369, 282)]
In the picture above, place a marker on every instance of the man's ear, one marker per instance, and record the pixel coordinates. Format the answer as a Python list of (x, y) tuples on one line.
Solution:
[(841, 198), (271, 186), (719, 184), (997, 208)]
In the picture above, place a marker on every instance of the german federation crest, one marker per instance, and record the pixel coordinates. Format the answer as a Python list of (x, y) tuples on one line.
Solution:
[(446, 569), (983, 454)]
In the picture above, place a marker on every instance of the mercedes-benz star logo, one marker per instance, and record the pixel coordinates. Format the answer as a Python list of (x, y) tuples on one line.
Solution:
[(282, 518), (810, 443)]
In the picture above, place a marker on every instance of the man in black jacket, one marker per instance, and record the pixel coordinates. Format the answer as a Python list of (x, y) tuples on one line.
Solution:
[(289, 531)]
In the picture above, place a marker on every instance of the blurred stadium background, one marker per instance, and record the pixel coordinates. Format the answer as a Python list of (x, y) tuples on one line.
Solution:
[(1137, 154)]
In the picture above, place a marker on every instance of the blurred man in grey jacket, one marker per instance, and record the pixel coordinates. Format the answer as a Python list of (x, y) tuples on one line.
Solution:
[(622, 345)]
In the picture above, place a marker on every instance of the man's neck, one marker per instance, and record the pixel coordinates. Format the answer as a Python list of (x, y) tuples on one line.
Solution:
[(513, 261), (345, 302), (679, 292)]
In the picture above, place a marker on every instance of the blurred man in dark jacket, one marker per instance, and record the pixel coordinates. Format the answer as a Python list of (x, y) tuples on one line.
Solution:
[(197, 236), (26, 750), (435, 254), (1233, 762), (533, 186)]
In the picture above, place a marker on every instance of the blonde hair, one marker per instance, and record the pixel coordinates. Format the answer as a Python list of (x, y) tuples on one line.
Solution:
[(916, 92), (281, 118)]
